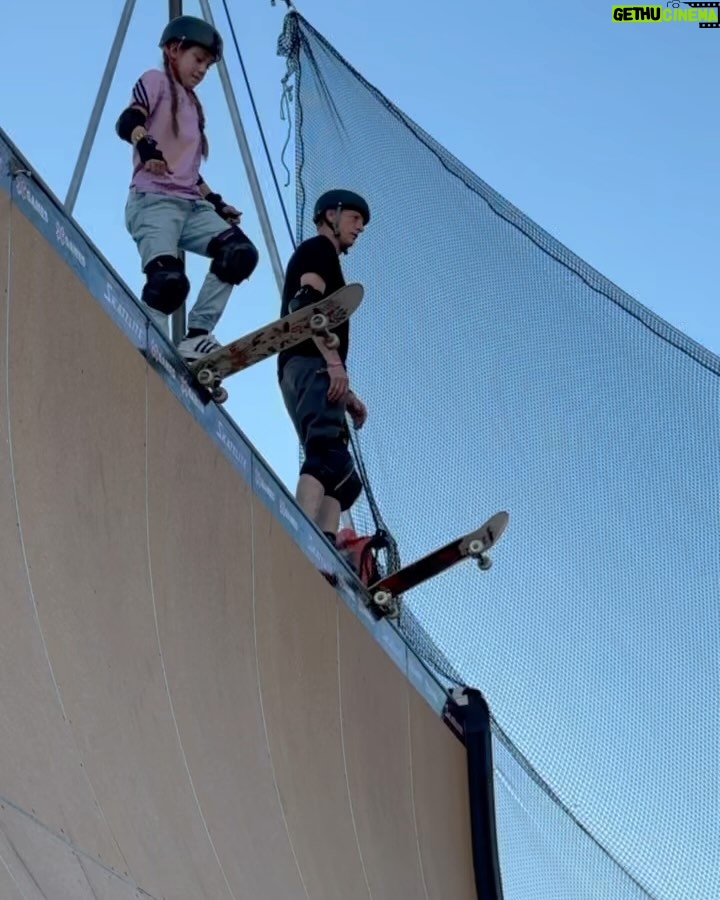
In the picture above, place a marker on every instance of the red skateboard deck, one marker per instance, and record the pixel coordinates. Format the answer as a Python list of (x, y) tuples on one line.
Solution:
[(386, 593)]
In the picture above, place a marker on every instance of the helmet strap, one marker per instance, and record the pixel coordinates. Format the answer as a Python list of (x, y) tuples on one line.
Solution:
[(336, 227), (336, 223)]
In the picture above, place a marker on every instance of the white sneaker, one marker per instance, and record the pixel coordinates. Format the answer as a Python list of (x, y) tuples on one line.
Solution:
[(194, 348)]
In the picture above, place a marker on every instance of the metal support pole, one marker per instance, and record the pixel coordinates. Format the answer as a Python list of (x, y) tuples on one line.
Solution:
[(247, 160), (178, 318), (99, 106)]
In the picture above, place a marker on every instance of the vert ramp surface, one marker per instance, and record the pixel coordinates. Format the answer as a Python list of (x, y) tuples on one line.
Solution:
[(187, 709)]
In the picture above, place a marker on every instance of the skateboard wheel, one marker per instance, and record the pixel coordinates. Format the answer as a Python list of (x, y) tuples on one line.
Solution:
[(382, 599), (484, 562), (332, 341), (205, 377), (220, 395), (475, 548), (319, 322)]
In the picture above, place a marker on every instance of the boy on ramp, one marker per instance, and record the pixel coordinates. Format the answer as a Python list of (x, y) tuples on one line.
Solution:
[(313, 379)]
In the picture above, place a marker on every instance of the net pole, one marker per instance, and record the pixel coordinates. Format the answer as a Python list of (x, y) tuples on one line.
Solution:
[(178, 318), (99, 106)]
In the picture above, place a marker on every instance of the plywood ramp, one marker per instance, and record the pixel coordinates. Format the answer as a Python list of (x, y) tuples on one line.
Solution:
[(188, 711)]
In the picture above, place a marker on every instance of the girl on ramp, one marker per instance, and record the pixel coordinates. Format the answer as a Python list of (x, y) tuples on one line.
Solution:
[(170, 207)]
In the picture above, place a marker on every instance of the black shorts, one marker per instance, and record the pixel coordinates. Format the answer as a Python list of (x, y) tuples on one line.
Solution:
[(304, 386)]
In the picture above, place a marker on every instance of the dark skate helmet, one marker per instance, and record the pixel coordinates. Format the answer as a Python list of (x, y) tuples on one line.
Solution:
[(191, 30), (341, 199)]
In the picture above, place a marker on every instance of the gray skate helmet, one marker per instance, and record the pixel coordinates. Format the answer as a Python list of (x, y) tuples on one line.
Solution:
[(191, 30), (341, 199)]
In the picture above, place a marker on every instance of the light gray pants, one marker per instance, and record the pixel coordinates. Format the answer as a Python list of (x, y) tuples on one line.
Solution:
[(161, 225)]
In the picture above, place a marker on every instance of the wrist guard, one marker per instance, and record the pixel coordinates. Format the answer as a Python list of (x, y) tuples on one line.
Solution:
[(217, 201), (147, 149)]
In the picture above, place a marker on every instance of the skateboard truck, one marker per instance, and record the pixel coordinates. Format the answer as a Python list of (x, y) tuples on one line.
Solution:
[(385, 601), (319, 325), (209, 379)]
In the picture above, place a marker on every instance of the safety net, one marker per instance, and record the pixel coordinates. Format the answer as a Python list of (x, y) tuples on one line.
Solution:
[(502, 372)]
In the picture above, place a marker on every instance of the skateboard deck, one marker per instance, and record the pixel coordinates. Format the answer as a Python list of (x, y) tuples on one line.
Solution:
[(316, 320), (385, 593)]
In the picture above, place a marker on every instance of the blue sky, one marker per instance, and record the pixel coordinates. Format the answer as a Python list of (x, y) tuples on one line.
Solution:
[(601, 132)]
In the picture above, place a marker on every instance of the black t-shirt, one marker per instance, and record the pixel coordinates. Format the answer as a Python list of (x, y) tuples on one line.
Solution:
[(316, 254)]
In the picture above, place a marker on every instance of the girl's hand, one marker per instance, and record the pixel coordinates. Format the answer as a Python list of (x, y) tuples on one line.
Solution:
[(230, 214), (223, 209), (156, 166)]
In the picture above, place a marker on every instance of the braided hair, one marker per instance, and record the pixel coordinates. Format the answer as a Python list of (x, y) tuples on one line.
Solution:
[(193, 96)]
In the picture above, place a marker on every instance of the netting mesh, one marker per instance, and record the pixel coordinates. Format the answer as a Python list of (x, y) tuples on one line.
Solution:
[(544, 850), (503, 372)]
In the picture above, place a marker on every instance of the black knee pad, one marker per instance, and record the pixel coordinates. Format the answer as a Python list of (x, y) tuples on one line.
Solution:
[(330, 462), (167, 286), (234, 256), (347, 492)]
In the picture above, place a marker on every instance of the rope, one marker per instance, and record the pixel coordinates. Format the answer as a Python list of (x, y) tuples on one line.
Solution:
[(258, 122), (285, 106), (386, 541)]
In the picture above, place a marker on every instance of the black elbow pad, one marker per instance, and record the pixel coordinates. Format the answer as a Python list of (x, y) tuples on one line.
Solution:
[(305, 296), (128, 121)]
